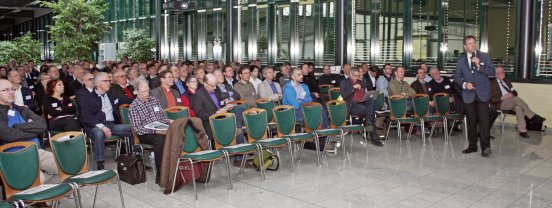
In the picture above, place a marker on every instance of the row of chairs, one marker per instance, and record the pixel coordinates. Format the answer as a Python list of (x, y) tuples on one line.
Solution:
[(20, 171)]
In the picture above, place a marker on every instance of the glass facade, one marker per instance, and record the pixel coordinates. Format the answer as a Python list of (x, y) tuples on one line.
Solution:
[(400, 32)]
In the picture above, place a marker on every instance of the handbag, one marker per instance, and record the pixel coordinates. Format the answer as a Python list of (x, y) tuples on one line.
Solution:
[(131, 169), (269, 159)]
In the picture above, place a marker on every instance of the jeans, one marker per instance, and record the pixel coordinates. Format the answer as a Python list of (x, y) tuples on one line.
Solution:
[(240, 139), (366, 109), (98, 137), (299, 117)]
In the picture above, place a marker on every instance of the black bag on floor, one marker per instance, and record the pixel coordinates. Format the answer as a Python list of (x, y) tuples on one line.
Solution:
[(534, 125), (131, 169), (312, 145)]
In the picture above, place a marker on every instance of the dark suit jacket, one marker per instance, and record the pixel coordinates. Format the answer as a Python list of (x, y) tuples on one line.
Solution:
[(90, 107), (51, 105), (479, 78), (120, 92), (347, 91), (203, 106), (496, 93), (332, 79), (28, 99), (160, 95), (153, 82), (20, 132), (417, 86), (224, 95), (234, 81), (369, 84), (311, 82), (73, 87)]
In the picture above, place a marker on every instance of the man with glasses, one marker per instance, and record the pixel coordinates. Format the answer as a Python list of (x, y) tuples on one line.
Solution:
[(99, 113), (19, 124), (353, 91), (23, 96), (121, 88), (224, 90), (245, 88), (145, 110), (167, 96), (76, 84)]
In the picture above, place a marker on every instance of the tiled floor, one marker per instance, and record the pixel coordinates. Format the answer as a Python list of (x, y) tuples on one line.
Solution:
[(396, 175)]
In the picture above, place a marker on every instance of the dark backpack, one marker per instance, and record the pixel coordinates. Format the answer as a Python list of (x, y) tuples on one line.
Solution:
[(534, 125)]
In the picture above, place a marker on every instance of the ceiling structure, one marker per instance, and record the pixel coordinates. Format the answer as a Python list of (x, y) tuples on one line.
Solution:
[(13, 12)]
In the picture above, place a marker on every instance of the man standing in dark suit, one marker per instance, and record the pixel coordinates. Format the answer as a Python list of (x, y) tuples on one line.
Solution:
[(473, 70), (99, 112), (353, 91)]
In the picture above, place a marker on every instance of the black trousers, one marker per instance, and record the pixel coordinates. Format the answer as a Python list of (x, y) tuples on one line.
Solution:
[(158, 141), (366, 109), (65, 124), (477, 114)]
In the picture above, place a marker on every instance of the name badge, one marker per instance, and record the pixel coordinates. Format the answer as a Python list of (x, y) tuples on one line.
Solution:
[(178, 100), (134, 93), (35, 77), (222, 103), (54, 105), (116, 101), (11, 113), (156, 109), (31, 87), (447, 87), (28, 97), (70, 104), (333, 81), (429, 89)]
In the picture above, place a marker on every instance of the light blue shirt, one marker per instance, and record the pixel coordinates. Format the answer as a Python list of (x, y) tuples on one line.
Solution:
[(107, 108), (381, 85)]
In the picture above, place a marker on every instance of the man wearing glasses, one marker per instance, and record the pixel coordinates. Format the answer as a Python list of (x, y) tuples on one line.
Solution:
[(245, 88), (121, 88), (167, 96), (100, 116)]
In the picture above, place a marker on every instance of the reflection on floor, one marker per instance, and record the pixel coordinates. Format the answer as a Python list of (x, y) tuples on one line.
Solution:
[(397, 175)]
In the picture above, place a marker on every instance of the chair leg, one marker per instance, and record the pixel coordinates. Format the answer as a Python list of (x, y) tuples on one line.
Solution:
[(399, 131), (242, 166), (209, 169), (175, 175), (343, 143), (422, 123), (95, 194), (387, 134), (261, 161), (316, 144), (290, 148), (227, 162), (193, 178), (502, 124)]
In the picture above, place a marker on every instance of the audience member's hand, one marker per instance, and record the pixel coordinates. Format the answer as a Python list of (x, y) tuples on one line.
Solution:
[(171, 121), (508, 96), (316, 95), (106, 131), (357, 86), (73, 97), (161, 132), (223, 110), (30, 120), (432, 103)]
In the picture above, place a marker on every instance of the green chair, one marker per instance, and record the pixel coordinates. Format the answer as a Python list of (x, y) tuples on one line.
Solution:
[(421, 111), (20, 173), (239, 104), (70, 153), (257, 126), (177, 112), (125, 118), (267, 104), (334, 93), (285, 127), (324, 89), (192, 151), (397, 105), (224, 128), (15, 204), (442, 108), (312, 118), (338, 120)]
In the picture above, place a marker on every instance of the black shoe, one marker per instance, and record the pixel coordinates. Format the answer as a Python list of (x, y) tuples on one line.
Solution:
[(377, 143), (524, 134), (100, 165), (486, 152), (470, 149)]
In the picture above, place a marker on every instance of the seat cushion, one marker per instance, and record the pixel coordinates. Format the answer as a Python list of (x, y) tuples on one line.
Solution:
[(5, 205), (408, 120), (44, 195), (432, 118), (300, 136), (105, 175), (327, 132), (272, 142), (204, 155), (352, 128), (146, 146), (240, 148), (455, 116)]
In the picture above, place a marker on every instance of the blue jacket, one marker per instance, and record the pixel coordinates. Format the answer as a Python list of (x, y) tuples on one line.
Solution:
[(290, 96), (479, 78), (90, 106)]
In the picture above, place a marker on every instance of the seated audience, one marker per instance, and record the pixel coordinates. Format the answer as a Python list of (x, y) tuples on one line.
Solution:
[(224, 91), (152, 78), (99, 115), (76, 84), (371, 77), (59, 109), (43, 80), (420, 86), (122, 89), (199, 72), (382, 82), (310, 80), (245, 88), (229, 76), (398, 86), (268, 88), (19, 124), (145, 110), (439, 84), (505, 97), (255, 77), (167, 96), (353, 91), (23, 96), (328, 78), (180, 81), (283, 77), (296, 93)]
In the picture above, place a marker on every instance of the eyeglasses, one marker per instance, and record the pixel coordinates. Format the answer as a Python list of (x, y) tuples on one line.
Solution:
[(8, 90), (105, 81)]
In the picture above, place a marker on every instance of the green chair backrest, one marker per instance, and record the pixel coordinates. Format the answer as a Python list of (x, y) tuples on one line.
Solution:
[(70, 155), (324, 88), (123, 109), (20, 169), (334, 93), (224, 129), (256, 124), (338, 112), (190, 144), (240, 104), (267, 106), (285, 119), (421, 105), (74, 102), (397, 106), (312, 116), (380, 100), (175, 115), (442, 105)]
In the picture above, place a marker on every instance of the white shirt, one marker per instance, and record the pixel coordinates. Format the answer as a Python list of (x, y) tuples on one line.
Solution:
[(373, 81), (255, 83), (19, 97), (469, 58), (107, 108), (500, 82)]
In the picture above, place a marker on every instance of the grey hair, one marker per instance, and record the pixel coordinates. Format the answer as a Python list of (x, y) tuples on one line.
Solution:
[(140, 82), (355, 69), (434, 69), (98, 77), (266, 69)]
